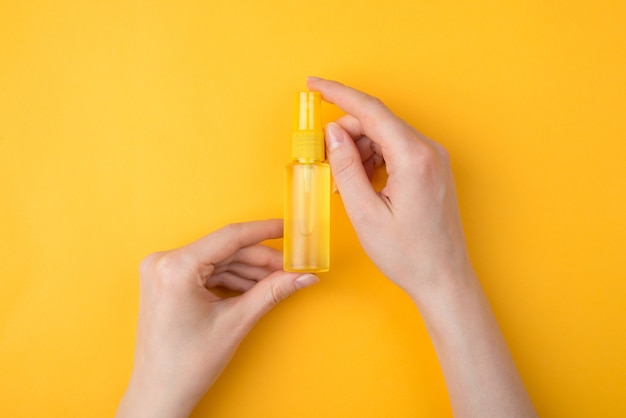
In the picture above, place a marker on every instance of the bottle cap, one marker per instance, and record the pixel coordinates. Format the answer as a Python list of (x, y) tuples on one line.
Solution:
[(308, 135)]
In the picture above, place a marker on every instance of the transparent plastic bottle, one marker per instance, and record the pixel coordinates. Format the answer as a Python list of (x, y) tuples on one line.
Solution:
[(307, 191)]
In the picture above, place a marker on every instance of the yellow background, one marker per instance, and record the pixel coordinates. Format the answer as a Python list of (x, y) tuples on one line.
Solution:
[(133, 126)]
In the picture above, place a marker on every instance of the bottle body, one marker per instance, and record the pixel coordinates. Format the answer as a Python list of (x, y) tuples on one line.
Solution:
[(307, 217)]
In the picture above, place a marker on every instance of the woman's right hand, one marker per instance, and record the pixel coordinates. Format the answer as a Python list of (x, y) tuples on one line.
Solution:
[(410, 229)]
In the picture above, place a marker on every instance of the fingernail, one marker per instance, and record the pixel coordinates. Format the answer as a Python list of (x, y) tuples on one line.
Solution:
[(313, 78), (334, 136), (306, 281), (334, 187)]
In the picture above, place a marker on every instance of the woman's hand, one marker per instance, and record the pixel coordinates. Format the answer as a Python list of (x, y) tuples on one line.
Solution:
[(411, 228), (187, 334)]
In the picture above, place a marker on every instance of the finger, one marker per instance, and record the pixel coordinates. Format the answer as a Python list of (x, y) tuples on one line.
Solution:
[(256, 255), (368, 166), (364, 145), (225, 242), (270, 291), (359, 198), (230, 281), (354, 102), (376, 120), (370, 151), (351, 125), (246, 271)]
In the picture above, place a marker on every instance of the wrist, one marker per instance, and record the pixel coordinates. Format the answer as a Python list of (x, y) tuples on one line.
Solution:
[(480, 374), (154, 397), (434, 292), (452, 303)]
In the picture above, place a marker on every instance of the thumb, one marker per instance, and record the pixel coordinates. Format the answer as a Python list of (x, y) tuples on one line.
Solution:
[(348, 171), (273, 289)]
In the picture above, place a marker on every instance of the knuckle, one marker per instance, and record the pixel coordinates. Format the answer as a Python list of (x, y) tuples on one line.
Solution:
[(423, 156), (147, 263), (235, 230), (277, 293), (170, 264), (163, 268), (377, 112), (374, 101), (234, 227)]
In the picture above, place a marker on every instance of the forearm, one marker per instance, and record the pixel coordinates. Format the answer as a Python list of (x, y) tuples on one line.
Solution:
[(480, 374)]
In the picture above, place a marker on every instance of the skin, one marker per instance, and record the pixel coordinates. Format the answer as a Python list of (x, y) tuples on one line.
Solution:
[(186, 334), (411, 230)]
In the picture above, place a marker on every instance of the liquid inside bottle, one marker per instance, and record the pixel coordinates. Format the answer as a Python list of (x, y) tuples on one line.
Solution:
[(307, 217)]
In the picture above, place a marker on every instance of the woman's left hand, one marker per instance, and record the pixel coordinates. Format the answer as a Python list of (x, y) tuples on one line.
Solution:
[(186, 333)]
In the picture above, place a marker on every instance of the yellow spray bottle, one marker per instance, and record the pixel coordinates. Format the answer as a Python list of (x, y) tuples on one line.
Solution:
[(307, 191)]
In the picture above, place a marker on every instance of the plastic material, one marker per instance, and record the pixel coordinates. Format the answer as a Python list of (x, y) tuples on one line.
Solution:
[(308, 136), (307, 191)]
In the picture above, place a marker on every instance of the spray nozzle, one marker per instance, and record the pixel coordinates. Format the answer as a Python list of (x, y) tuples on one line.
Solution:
[(308, 136)]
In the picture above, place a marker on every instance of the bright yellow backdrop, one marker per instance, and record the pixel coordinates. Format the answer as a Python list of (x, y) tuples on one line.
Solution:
[(133, 126)]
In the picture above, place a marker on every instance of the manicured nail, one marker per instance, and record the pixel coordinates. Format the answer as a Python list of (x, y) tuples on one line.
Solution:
[(334, 136), (334, 187), (313, 78), (306, 281)]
